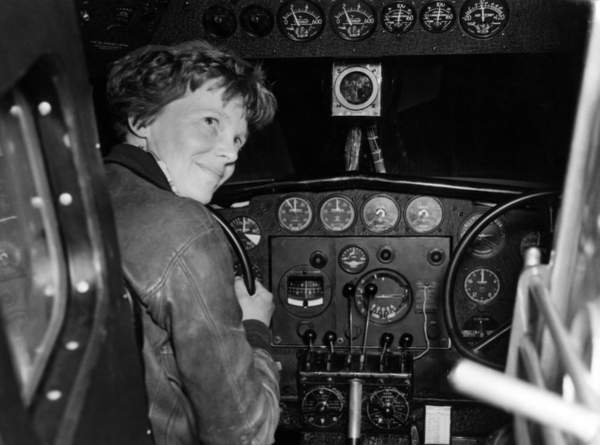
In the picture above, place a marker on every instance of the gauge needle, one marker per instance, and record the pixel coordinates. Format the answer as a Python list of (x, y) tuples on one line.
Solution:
[(347, 16), (482, 279), (295, 17), (243, 225), (482, 12), (439, 12)]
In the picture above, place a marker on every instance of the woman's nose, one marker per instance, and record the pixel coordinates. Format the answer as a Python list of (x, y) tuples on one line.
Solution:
[(228, 149)]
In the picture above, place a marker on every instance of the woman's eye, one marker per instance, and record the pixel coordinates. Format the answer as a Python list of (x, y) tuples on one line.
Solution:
[(211, 121)]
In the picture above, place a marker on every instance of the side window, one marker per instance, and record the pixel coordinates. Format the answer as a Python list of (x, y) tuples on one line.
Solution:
[(33, 278)]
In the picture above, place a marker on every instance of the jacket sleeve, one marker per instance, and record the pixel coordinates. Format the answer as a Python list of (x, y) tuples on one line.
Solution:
[(233, 387)]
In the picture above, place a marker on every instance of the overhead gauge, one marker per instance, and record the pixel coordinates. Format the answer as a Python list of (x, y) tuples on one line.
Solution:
[(353, 19), (353, 259), (483, 19), (219, 21), (248, 231), (438, 16), (300, 20), (257, 20), (337, 213), (398, 17), (482, 285), (295, 214), (423, 214), (380, 213), (392, 300), (489, 241)]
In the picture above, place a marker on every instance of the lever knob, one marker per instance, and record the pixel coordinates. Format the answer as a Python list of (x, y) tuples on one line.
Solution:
[(386, 340), (406, 341), (329, 338), (348, 290), (309, 337), (370, 291)]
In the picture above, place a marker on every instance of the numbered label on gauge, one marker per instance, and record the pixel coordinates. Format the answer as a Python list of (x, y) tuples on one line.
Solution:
[(248, 231), (398, 17), (300, 20), (438, 16), (295, 214), (353, 19), (337, 213), (482, 285)]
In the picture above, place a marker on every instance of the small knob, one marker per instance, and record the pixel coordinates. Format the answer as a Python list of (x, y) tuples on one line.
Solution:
[(370, 291), (329, 338), (309, 337), (406, 341), (318, 259), (349, 290), (386, 340)]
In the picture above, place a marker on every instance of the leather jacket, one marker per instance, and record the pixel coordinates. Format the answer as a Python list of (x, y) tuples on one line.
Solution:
[(210, 378)]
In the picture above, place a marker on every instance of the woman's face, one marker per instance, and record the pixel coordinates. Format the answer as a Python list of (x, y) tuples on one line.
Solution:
[(198, 137)]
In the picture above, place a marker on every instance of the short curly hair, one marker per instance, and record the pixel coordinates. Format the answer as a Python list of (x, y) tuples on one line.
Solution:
[(144, 81)]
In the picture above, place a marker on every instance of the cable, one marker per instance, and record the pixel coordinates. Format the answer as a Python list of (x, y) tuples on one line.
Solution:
[(427, 343)]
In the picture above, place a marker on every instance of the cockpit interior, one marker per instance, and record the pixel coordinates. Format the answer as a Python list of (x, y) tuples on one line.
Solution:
[(415, 166)]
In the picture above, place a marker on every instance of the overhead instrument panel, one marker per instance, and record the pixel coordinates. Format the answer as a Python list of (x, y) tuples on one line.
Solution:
[(300, 20), (353, 19), (483, 19)]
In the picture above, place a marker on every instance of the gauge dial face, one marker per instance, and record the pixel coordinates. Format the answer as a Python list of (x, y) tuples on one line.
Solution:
[(424, 214), (388, 408), (483, 19), (380, 213), (295, 214), (489, 241), (256, 20), (300, 20), (398, 17), (322, 407), (219, 21), (392, 300), (353, 19), (248, 231), (438, 16), (482, 285), (337, 214), (353, 259)]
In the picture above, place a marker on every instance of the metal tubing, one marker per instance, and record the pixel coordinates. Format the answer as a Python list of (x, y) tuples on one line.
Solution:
[(354, 410)]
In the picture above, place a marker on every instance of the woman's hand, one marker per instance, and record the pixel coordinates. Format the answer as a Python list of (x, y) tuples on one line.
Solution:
[(254, 307)]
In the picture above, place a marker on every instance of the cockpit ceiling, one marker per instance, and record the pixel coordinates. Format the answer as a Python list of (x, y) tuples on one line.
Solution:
[(340, 29)]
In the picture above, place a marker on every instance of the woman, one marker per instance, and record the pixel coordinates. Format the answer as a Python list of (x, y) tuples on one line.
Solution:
[(183, 113)]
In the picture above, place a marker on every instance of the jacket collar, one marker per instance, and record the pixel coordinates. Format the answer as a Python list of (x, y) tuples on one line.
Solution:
[(139, 162)]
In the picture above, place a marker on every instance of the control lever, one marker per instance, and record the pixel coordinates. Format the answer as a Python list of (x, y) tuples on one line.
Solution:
[(329, 339), (406, 358), (308, 337), (348, 292), (354, 412), (369, 292), (385, 342)]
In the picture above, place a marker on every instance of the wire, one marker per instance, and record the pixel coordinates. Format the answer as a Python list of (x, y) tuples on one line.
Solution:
[(427, 343)]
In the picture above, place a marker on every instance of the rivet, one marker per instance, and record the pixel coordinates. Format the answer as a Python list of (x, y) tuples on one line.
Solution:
[(98, 146), (53, 395), (589, 248), (37, 202), (82, 287), (72, 345), (148, 431), (44, 108), (66, 140), (65, 199), (15, 110), (49, 291)]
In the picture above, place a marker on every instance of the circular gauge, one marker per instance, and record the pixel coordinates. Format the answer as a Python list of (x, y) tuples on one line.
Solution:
[(489, 241), (482, 285), (483, 19), (353, 19), (300, 20), (398, 17), (256, 20), (322, 407), (392, 300), (337, 213), (353, 259), (356, 88), (380, 213), (438, 16), (423, 214), (387, 408), (219, 21), (295, 214), (248, 231)]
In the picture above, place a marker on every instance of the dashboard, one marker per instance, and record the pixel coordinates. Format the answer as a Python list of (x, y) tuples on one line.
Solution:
[(357, 267)]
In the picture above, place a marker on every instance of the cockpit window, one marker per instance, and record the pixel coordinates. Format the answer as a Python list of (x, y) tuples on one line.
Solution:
[(32, 269)]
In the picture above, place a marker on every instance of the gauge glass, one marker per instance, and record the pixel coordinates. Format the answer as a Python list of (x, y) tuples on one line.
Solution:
[(295, 214), (353, 259), (388, 408), (392, 300), (219, 21), (483, 19), (353, 19), (482, 285), (438, 16), (424, 214), (322, 407), (248, 231), (489, 241), (300, 20), (398, 17), (256, 20), (380, 213), (337, 214)]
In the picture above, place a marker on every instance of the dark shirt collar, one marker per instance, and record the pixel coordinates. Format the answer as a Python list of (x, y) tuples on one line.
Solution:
[(139, 162)]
